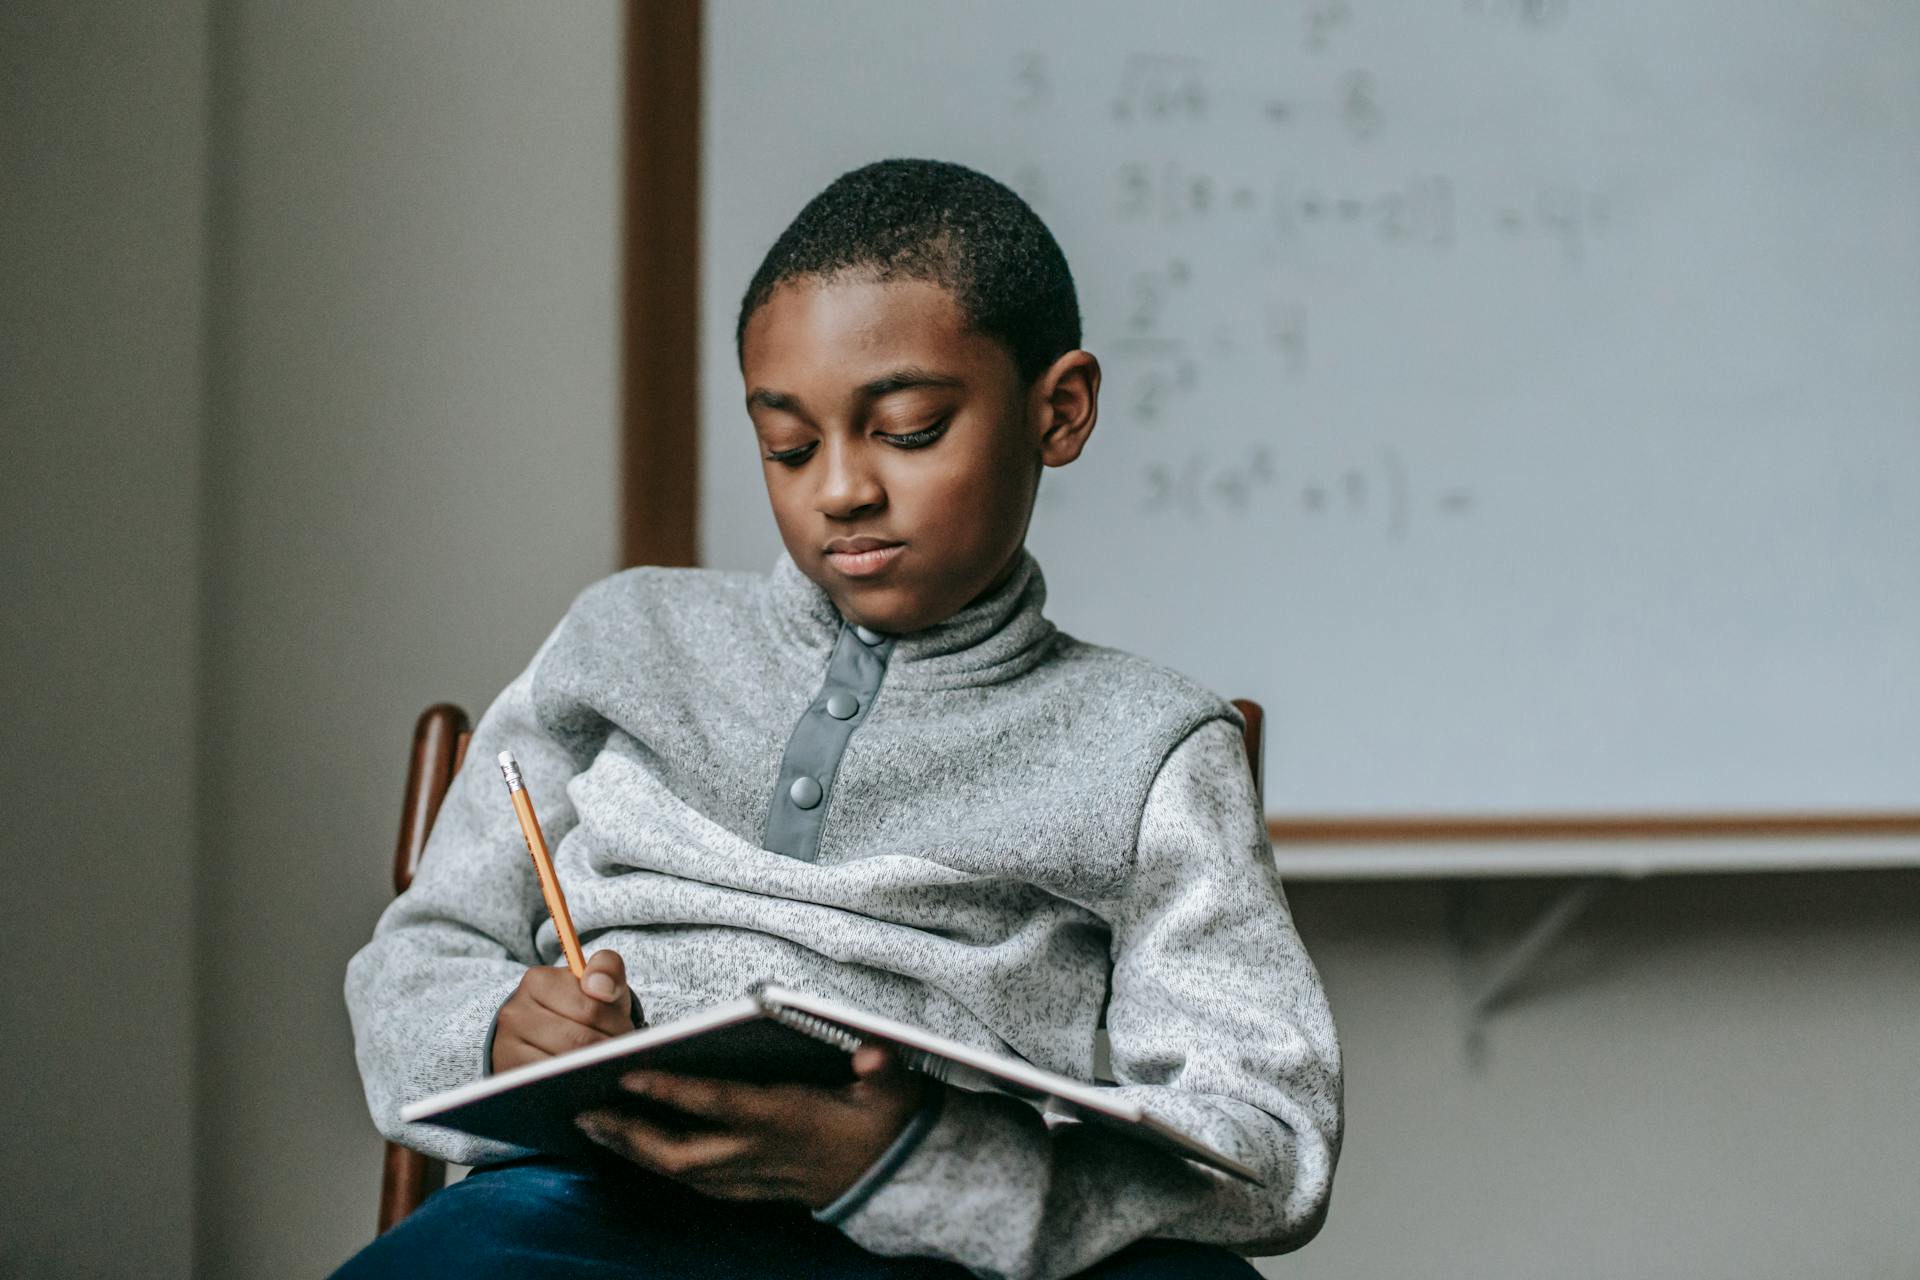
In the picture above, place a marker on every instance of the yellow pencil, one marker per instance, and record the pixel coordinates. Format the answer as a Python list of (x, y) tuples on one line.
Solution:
[(543, 866)]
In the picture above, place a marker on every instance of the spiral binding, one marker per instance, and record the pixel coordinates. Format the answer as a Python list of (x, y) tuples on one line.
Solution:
[(819, 1028), (840, 1038)]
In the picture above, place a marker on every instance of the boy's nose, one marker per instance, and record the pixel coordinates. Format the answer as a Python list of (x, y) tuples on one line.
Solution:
[(847, 485)]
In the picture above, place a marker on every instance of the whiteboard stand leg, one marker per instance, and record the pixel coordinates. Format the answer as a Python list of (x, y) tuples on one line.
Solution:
[(1493, 984)]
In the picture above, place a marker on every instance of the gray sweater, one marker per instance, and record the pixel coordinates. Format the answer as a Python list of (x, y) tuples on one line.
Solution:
[(986, 827)]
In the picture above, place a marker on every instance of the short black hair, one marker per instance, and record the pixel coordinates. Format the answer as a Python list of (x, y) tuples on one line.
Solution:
[(946, 224)]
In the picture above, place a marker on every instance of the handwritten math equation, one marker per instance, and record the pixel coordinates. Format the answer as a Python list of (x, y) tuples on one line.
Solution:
[(1421, 211), (1174, 335), (1381, 494), (1158, 97)]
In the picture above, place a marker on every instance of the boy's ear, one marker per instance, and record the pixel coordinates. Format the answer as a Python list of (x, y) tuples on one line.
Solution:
[(1066, 400)]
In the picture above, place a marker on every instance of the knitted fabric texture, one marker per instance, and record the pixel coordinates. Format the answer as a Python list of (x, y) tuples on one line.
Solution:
[(1023, 829)]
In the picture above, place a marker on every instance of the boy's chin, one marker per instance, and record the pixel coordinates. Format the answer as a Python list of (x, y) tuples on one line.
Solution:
[(881, 608), (892, 608)]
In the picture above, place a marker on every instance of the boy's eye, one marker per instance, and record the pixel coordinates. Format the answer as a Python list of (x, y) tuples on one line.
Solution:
[(792, 457), (900, 440), (916, 439)]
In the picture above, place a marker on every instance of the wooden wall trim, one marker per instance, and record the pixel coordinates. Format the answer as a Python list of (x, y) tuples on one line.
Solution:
[(660, 308), (1699, 826)]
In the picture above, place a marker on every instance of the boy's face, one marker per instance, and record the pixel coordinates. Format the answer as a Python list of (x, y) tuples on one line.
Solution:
[(900, 451)]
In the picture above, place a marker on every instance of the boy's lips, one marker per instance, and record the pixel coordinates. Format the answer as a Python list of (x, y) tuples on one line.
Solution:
[(862, 557)]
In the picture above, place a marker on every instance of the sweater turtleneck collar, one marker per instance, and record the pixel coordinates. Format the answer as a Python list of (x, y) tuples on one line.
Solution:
[(994, 638)]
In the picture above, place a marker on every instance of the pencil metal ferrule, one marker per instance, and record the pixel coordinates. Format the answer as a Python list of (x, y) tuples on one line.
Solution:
[(510, 769)]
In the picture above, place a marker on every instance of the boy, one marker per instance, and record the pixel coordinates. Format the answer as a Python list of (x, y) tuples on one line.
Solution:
[(881, 774)]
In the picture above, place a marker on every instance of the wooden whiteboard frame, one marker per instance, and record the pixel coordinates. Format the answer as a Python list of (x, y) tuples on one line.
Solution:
[(660, 483), (660, 293), (1630, 845)]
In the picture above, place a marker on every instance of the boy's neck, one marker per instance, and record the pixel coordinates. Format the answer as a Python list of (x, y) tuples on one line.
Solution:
[(999, 581), (999, 625)]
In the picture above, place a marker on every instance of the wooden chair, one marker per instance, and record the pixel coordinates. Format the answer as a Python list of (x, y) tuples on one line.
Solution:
[(439, 745), (440, 738)]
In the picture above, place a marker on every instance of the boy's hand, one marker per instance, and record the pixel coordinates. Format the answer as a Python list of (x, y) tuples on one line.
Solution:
[(550, 1012), (766, 1142)]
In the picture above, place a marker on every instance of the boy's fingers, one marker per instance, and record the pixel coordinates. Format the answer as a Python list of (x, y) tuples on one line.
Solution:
[(606, 976), (871, 1060), (551, 1035), (645, 1143), (561, 998), (704, 1099), (556, 991)]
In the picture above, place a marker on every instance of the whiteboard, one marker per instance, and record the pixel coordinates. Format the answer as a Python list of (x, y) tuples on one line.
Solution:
[(1519, 398)]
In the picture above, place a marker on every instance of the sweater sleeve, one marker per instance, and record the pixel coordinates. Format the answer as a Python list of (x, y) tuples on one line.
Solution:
[(1218, 1025), (422, 993)]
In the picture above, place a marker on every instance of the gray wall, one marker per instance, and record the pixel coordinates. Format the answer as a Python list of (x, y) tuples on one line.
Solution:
[(410, 473), (393, 229), (102, 152), (1710, 1078)]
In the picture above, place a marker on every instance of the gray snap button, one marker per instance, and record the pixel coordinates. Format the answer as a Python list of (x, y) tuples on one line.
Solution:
[(841, 706), (868, 635), (805, 792)]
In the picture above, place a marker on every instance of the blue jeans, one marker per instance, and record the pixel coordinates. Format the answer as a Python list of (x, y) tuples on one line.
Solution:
[(542, 1217)]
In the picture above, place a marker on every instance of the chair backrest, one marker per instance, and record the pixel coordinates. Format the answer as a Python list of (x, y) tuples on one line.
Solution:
[(1255, 737), (440, 738)]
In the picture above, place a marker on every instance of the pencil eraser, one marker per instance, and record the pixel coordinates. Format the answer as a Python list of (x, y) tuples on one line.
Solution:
[(506, 758)]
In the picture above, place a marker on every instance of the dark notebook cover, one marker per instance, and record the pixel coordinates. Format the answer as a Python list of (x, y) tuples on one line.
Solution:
[(774, 1036)]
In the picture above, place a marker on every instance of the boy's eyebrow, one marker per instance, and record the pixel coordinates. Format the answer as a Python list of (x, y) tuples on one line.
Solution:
[(902, 379)]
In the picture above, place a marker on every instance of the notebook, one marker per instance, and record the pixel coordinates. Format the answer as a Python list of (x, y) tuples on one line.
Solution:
[(771, 1035)]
